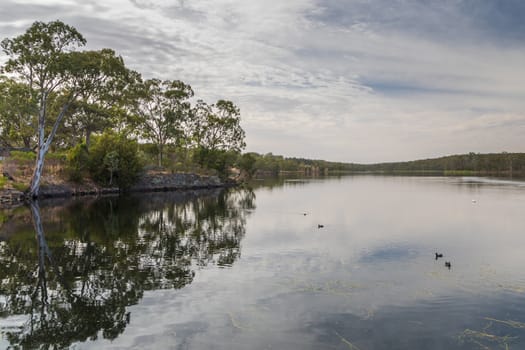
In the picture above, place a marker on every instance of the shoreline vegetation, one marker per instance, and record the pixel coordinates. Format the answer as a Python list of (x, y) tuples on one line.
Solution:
[(92, 118), (472, 164), (250, 166)]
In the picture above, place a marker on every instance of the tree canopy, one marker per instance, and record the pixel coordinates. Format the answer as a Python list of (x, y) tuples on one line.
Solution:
[(162, 108), (55, 94)]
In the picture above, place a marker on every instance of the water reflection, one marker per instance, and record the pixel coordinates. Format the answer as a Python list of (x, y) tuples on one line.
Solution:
[(91, 259), (369, 279)]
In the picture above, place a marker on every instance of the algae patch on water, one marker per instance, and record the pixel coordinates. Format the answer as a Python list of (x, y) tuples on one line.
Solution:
[(487, 339), (346, 341)]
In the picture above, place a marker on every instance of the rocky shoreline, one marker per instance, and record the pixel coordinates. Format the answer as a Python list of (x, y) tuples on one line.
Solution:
[(147, 183)]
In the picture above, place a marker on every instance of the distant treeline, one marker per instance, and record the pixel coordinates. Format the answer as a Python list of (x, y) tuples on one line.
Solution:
[(501, 164)]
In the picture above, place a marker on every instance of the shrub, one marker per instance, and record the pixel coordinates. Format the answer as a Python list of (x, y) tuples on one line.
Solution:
[(115, 159), (23, 156), (218, 160), (246, 162), (20, 186), (77, 162)]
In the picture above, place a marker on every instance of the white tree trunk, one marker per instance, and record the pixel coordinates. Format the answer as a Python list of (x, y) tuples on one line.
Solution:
[(39, 165), (43, 146), (37, 173)]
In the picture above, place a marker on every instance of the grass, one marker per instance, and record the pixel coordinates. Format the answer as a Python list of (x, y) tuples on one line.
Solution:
[(20, 186)]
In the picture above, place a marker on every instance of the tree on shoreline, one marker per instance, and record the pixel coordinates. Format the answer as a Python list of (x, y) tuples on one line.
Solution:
[(94, 109), (217, 134), (54, 96), (40, 58), (162, 107), (44, 58), (217, 127)]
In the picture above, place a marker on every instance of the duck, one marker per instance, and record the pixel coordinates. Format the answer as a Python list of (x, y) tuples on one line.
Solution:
[(439, 255), (320, 226), (448, 264)]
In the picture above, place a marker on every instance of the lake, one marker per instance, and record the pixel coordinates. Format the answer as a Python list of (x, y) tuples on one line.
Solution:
[(331, 263)]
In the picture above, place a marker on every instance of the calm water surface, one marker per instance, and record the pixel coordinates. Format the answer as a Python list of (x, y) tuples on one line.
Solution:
[(245, 268)]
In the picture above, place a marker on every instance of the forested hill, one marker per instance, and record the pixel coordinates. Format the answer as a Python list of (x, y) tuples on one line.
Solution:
[(493, 163), (502, 164)]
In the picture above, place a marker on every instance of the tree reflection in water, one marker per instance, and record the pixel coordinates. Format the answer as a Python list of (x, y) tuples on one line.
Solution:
[(74, 282)]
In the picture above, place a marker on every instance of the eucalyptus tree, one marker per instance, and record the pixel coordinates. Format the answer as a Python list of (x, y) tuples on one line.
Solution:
[(96, 110), (217, 127), (217, 134), (162, 107), (45, 58)]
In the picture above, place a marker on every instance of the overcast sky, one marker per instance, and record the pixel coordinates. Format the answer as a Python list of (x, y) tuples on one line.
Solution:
[(345, 80)]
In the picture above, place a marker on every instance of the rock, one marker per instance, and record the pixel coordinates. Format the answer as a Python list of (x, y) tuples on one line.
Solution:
[(147, 183), (166, 182), (8, 176), (11, 197)]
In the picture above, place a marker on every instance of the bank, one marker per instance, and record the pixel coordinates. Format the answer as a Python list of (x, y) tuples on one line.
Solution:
[(155, 182)]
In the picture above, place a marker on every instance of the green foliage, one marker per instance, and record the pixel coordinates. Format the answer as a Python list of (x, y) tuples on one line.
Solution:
[(111, 163), (3, 181), (103, 92), (246, 162), (60, 156), (57, 76), (219, 160), (114, 158), (162, 108), (18, 110), (20, 186), (57, 96), (500, 164), (38, 52), (77, 162), (22, 156), (217, 126), (460, 165)]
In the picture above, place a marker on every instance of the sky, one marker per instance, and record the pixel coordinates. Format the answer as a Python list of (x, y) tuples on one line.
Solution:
[(342, 80)]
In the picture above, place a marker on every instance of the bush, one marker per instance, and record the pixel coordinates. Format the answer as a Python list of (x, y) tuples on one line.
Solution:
[(3, 181), (77, 162), (218, 160), (114, 159), (20, 186), (23, 156), (246, 162)]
